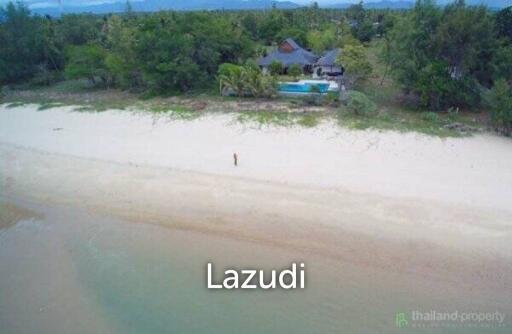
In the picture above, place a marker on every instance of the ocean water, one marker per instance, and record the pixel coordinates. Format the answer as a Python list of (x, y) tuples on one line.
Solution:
[(70, 271)]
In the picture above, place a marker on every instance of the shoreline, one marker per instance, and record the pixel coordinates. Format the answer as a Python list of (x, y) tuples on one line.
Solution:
[(343, 195), (405, 242), (132, 208), (86, 255)]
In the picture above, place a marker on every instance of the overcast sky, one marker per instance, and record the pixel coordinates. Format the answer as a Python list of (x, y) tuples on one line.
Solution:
[(46, 3), (55, 2), (50, 3)]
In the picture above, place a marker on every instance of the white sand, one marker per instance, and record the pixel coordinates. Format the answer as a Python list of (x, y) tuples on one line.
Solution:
[(475, 171), (400, 201), (403, 216)]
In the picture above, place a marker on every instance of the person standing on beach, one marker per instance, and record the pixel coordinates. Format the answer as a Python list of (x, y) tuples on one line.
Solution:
[(235, 159)]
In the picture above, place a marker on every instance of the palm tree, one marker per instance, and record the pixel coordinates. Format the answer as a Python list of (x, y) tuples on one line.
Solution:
[(252, 80), (258, 84), (234, 80)]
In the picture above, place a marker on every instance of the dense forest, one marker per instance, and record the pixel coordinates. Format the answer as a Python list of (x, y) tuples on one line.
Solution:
[(456, 56)]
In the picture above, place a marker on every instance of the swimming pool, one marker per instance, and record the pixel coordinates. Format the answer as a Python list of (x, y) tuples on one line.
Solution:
[(302, 87)]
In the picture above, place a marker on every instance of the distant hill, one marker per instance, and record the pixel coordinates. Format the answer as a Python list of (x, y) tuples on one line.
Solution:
[(406, 4), (156, 5), (376, 5), (491, 3)]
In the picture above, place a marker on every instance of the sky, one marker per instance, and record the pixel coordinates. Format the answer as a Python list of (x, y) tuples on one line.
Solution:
[(41, 3), (54, 3), (51, 3)]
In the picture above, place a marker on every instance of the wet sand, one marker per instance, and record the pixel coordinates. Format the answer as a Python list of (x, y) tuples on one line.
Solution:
[(384, 209), (72, 271)]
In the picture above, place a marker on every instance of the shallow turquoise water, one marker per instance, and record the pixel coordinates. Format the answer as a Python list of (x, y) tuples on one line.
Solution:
[(81, 273)]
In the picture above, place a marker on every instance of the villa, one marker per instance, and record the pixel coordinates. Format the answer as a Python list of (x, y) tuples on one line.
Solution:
[(290, 53), (326, 66)]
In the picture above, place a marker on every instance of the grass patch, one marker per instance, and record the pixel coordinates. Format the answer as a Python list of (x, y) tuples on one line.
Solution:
[(103, 105), (15, 104), (265, 118), (49, 105), (174, 111), (429, 123), (85, 109), (71, 92), (309, 120), (280, 118), (390, 115)]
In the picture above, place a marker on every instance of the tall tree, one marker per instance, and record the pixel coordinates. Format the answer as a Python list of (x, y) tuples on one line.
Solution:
[(443, 55), (504, 23), (20, 37)]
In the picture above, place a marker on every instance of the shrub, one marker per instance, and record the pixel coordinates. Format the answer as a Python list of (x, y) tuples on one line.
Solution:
[(87, 61), (315, 89), (227, 69), (360, 104), (44, 77), (245, 81), (230, 79), (256, 84), (500, 101), (275, 68), (332, 99), (431, 117), (295, 71), (356, 64)]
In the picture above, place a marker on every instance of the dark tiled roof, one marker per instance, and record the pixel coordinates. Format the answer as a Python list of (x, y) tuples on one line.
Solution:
[(329, 58), (298, 56), (294, 44)]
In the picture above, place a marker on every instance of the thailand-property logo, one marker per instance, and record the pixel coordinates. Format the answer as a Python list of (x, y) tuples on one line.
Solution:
[(455, 318), (401, 320)]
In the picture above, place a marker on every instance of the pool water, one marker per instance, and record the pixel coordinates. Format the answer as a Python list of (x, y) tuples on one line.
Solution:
[(302, 87)]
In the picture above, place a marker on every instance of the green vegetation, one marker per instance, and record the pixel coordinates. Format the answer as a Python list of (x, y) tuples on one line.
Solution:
[(49, 105), (441, 55), (404, 121), (354, 60), (431, 69), (176, 112), (275, 68), (295, 71), (15, 104), (247, 80), (286, 119), (87, 61), (500, 100), (360, 104)]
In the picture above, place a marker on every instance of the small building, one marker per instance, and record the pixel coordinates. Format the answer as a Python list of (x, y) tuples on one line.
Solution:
[(326, 66), (289, 53)]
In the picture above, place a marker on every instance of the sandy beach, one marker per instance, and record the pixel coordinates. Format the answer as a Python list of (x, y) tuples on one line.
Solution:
[(425, 208)]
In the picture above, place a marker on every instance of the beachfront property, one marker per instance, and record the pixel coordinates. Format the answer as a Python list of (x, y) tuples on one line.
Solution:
[(325, 66), (290, 53)]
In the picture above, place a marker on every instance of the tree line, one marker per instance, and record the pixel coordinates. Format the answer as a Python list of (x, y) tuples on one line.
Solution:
[(442, 57), (455, 56), (163, 51)]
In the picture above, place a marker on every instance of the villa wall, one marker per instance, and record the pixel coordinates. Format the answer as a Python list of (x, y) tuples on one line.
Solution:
[(325, 69)]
